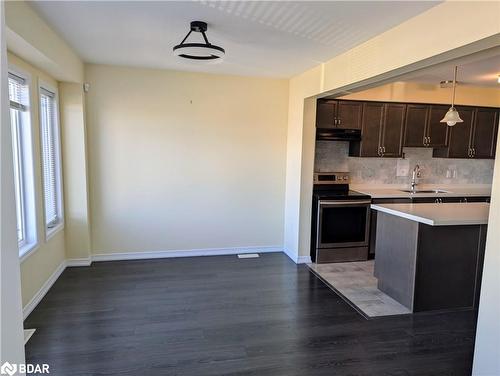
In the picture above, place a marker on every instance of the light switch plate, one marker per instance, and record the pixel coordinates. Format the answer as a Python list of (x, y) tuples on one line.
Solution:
[(403, 167)]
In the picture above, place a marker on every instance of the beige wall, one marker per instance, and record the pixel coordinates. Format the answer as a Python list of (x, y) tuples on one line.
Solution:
[(40, 264), (413, 92), (75, 171), (31, 38), (387, 56), (182, 161)]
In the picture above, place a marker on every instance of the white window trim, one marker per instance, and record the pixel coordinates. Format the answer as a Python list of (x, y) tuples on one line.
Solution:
[(51, 232), (29, 248)]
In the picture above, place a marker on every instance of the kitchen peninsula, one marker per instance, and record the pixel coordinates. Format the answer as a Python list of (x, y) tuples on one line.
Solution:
[(429, 256)]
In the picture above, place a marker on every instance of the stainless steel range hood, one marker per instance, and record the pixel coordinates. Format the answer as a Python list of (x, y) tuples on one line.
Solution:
[(338, 134)]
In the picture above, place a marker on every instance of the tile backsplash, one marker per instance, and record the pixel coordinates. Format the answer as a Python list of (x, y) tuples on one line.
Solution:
[(333, 156)]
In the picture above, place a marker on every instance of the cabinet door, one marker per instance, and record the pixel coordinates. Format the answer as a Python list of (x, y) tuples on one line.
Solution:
[(392, 131), (349, 114), (415, 124), (425, 200), (460, 135), (326, 112), (371, 129), (485, 133), (437, 132), (476, 199)]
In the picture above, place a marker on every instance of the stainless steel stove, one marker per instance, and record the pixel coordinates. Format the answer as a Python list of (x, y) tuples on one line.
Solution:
[(340, 220)]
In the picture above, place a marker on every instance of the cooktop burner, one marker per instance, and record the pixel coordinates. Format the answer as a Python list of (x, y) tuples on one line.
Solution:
[(340, 195), (335, 186)]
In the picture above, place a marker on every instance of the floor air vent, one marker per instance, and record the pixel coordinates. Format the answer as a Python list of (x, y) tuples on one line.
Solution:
[(248, 255)]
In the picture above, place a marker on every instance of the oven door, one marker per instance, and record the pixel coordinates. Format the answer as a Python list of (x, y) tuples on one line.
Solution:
[(343, 224)]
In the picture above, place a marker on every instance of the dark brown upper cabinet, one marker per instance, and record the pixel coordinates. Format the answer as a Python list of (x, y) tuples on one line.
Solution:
[(326, 112), (437, 132), (475, 137), (423, 126), (459, 137), (416, 125), (381, 131), (349, 114), (332, 113), (484, 136)]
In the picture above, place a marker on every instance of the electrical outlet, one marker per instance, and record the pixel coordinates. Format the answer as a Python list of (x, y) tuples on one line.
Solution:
[(403, 167)]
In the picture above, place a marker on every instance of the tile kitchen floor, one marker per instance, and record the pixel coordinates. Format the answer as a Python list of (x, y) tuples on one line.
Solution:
[(355, 281)]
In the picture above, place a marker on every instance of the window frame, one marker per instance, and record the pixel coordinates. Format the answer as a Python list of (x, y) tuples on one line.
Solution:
[(51, 231), (30, 213)]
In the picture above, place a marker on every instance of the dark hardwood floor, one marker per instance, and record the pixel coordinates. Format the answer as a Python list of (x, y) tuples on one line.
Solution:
[(225, 316)]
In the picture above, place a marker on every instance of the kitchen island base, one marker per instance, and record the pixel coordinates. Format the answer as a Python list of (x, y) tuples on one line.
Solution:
[(427, 267)]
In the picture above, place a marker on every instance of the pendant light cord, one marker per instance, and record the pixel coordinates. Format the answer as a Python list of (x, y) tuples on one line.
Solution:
[(454, 86)]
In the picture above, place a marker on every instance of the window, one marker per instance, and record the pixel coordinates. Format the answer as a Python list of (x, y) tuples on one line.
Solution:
[(51, 165), (23, 162)]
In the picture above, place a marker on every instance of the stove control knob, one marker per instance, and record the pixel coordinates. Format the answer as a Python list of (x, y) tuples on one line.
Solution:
[(346, 177)]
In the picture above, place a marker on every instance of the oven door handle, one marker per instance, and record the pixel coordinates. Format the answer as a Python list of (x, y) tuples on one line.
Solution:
[(342, 203)]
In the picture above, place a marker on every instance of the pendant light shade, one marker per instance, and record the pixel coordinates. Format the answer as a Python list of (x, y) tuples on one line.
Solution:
[(452, 117), (198, 51)]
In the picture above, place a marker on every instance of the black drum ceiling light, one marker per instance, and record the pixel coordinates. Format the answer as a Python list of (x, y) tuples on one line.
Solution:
[(198, 51)]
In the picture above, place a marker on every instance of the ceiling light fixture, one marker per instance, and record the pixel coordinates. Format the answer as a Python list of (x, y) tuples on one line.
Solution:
[(452, 117), (498, 79), (198, 51)]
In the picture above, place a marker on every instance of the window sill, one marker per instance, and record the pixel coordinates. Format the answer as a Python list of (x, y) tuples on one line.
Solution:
[(51, 232), (27, 250)]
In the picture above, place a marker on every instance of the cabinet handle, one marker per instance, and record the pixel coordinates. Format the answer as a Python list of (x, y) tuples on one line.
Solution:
[(473, 152), (429, 141), (340, 121)]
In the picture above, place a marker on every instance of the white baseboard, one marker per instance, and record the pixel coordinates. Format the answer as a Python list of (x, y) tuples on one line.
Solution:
[(79, 262), (296, 258), (43, 290), (303, 260), (183, 253)]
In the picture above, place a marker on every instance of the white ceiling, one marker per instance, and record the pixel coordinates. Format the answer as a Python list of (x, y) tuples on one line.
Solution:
[(261, 38), (477, 70)]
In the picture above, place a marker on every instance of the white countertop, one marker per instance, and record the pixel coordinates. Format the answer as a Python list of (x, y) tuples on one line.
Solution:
[(395, 191), (447, 214)]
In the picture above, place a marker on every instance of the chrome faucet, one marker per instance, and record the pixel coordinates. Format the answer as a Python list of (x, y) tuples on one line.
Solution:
[(414, 176)]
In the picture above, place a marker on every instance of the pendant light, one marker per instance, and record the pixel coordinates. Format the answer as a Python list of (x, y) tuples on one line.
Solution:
[(452, 117), (198, 51)]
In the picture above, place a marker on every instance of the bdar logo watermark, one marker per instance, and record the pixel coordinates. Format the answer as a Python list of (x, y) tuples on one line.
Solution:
[(28, 369), (8, 369)]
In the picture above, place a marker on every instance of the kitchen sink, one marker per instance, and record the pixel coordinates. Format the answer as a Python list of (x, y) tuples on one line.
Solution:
[(424, 191)]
